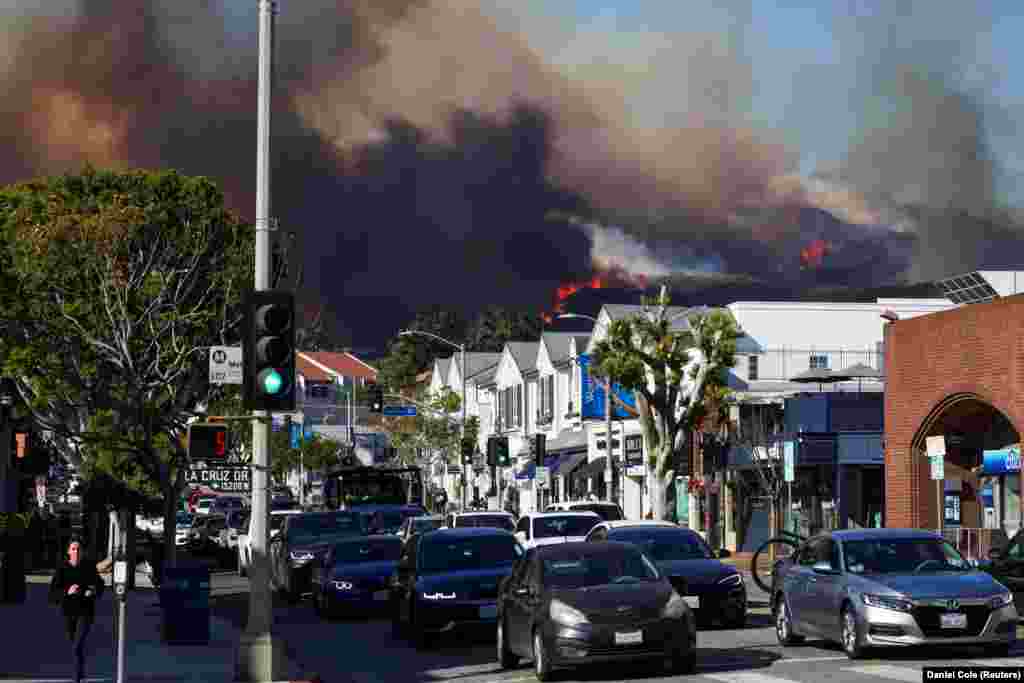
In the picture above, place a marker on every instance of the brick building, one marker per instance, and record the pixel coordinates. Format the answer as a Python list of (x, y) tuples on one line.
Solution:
[(958, 373)]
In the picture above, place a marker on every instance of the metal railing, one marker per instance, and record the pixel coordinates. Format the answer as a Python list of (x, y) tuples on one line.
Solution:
[(974, 544), (780, 364)]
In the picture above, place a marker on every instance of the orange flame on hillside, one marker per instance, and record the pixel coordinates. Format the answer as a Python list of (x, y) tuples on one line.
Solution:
[(606, 278), (813, 254)]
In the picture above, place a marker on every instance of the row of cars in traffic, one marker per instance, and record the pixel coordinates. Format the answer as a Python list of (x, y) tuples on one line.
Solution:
[(560, 588)]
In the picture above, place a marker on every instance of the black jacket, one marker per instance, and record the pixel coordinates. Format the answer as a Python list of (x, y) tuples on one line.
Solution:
[(87, 578)]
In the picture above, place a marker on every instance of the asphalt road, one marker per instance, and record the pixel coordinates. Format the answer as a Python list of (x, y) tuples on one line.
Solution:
[(363, 650)]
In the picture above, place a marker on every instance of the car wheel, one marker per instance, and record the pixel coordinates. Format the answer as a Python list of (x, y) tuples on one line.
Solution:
[(851, 633), (784, 624), (506, 659), (541, 662)]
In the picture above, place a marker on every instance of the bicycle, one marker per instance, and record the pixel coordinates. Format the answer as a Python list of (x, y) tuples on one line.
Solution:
[(786, 539)]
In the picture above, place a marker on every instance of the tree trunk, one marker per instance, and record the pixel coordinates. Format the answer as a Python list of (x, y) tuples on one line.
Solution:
[(657, 487)]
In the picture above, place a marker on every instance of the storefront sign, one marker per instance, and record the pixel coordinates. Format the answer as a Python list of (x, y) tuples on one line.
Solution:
[(221, 479), (789, 461), (635, 471), (1002, 461), (936, 446), (635, 449), (938, 467)]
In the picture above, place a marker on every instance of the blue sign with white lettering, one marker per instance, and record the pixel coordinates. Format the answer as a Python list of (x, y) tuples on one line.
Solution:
[(295, 434), (399, 411), (592, 398), (1002, 461)]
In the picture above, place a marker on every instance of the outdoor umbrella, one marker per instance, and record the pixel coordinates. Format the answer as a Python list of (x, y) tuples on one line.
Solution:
[(818, 376), (859, 371)]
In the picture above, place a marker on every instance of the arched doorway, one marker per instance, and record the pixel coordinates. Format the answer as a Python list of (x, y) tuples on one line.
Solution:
[(969, 497)]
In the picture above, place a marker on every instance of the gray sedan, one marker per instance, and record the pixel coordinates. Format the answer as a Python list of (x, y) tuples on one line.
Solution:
[(889, 587)]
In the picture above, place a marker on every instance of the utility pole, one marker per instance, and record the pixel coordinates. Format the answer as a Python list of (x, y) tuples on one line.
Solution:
[(608, 439), (260, 658)]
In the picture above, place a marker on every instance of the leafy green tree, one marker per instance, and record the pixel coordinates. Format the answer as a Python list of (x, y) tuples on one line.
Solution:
[(314, 453), (673, 372), (115, 286), (495, 326), (410, 355)]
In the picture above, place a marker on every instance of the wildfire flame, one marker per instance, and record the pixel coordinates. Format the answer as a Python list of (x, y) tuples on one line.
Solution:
[(813, 254), (602, 280)]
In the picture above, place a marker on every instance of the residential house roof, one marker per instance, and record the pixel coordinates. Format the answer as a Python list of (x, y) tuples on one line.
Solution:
[(524, 354), (325, 365), (481, 367), (442, 367), (558, 345), (680, 321)]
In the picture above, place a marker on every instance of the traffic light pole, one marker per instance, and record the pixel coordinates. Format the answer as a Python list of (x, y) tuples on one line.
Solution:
[(260, 658), (462, 353)]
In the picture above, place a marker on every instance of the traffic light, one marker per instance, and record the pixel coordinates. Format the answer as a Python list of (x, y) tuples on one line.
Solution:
[(501, 451), (540, 450), (492, 453), (376, 398), (468, 447), (268, 353), (207, 441)]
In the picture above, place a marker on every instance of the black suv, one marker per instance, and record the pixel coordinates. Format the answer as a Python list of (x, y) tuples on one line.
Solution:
[(306, 538)]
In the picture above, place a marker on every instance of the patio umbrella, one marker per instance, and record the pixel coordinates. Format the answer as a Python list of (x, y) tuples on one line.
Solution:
[(859, 371), (818, 376)]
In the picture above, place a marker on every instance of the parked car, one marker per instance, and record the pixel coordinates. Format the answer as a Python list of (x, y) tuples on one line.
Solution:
[(713, 589), (448, 579), (183, 528), (206, 533), (492, 519), (608, 511), (224, 505), (237, 523), (204, 506), (572, 604), (889, 587), (277, 518), (356, 574), (546, 528), (303, 540)]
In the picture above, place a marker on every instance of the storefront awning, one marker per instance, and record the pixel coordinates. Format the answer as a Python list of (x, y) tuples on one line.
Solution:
[(567, 440), (569, 462)]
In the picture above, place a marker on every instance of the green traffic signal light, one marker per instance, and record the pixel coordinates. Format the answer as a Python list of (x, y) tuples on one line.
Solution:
[(268, 353), (271, 381)]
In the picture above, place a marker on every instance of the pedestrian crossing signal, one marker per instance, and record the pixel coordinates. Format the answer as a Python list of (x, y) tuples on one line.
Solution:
[(207, 441)]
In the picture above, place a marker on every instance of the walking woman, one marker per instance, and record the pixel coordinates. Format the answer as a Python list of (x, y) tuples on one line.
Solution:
[(76, 587)]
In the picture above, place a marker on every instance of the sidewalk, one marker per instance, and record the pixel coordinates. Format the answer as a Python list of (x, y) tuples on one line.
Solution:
[(39, 650)]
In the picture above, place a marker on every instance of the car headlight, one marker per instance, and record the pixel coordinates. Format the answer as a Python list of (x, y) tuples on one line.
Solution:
[(731, 580), (885, 602), (300, 556), (565, 615), (438, 596), (342, 585), (1001, 600), (675, 608)]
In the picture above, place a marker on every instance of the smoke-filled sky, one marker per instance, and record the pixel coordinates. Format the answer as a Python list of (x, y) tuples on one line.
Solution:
[(466, 153)]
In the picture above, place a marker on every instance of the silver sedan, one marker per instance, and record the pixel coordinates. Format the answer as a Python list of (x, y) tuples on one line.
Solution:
[(889, 587)]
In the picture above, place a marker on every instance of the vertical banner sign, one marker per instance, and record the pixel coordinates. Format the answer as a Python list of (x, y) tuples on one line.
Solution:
[(788, 461), (592, 396), (296, 434)]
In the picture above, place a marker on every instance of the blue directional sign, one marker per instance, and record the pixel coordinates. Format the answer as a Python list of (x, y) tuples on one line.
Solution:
[(400, 411)]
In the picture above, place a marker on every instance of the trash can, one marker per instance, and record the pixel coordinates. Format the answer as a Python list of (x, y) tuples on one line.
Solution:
[(185, 601)]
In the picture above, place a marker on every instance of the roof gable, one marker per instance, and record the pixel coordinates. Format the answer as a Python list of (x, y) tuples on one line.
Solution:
[(335, 364)]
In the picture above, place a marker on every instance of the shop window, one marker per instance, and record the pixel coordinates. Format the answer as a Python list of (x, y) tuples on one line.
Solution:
[(751, 368), (819, 361)]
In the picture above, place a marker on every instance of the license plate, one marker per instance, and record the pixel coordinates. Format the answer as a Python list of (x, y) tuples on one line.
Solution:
[(693, 601), (489, 612), (381, 596), (953, 620), (630, 638)]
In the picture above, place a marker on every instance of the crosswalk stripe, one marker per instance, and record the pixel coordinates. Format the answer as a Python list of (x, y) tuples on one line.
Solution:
[(896, 673), (746, 677)]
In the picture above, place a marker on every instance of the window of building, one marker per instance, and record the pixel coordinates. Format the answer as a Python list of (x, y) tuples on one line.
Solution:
[(819, 361), (546, 399), (751, 368)]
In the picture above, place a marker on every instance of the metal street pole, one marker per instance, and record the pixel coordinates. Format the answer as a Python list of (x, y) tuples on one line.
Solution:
[(462, 353), (259, 657), (608, 440)]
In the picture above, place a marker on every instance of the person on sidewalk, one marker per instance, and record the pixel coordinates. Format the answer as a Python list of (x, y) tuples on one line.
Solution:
[(75, 587)]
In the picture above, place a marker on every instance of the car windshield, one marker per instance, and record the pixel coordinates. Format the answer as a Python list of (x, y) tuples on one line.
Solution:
[(383, 521), (308, 527), (490, 521), (665, 545), (456, 554), (183, 519), (376, 550), (609, 513), (419, 526), (902, 556), (563, 525), (582, 569)]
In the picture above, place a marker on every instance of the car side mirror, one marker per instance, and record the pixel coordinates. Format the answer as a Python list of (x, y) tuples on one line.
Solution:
[(995, 554), (521, 536), (723, 553), (823, 568)]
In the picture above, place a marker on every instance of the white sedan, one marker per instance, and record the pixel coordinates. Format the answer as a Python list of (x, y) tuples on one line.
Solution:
[(245, 549), (546, 528)]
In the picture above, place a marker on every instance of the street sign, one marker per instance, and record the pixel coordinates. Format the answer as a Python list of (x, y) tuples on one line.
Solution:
[(541, 475), (936, 446), (226, 365), (789, 461), (399, 411), (225, 479), (938, 467)]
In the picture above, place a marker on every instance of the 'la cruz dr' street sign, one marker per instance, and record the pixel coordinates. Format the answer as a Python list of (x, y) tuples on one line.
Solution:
[(221, 479)]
